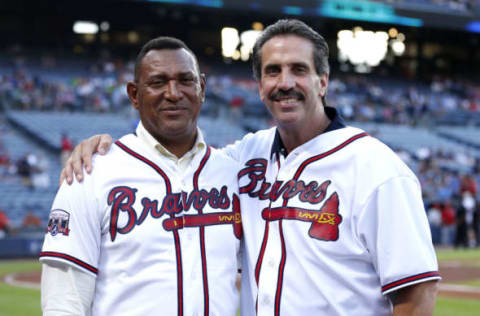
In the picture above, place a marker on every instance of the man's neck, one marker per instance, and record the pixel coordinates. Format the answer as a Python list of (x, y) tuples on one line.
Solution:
[(178, 147), (295, 136)]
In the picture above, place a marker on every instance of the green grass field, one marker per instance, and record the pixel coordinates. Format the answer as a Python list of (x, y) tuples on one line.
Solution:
[(454, 306), (15, 301)]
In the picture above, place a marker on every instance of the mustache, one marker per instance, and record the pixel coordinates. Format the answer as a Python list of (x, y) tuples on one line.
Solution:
[(276, 95)]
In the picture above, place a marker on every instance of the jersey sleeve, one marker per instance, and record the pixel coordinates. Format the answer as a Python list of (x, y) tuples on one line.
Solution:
[(74, 227), (233, 150), (394, 228), (66, 290)]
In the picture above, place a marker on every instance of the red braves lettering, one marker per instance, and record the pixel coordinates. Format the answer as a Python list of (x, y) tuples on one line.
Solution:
[(149, 207), (122, 198), (255, 170)]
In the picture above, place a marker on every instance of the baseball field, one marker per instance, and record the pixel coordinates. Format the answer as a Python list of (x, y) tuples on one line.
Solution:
[(459, 295)]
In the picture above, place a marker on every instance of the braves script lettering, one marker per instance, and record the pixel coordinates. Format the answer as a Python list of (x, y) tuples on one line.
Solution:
[(324, 221), (255, 171), (122, 199)]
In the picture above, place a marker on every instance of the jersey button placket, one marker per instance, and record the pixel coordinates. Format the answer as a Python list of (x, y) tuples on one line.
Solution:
[(269, 270)]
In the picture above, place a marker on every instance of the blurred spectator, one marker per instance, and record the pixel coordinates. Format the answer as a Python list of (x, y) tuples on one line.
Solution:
[(33, 169), (40, 177), (461, 233), (31, 222), (435, 220), (468, 184), (4, 155), (5, 163), (468, 204), (448, 224), (476, 223), (4, 224), (236, 105), (66, 148), (24, 170)]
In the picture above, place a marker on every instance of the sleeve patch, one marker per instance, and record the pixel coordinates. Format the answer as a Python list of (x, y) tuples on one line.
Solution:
[(58, 222)]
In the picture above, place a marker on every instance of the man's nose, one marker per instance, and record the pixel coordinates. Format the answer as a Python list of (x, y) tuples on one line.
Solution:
[(286, 81), (173, 93)]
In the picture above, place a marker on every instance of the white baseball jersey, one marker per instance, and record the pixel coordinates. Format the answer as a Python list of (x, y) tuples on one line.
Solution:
[(159, 242), (332, 227)]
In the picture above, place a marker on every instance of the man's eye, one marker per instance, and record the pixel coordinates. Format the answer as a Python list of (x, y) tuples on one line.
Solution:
[(187, 80), (156, 83), (272, 71), (300, 69)]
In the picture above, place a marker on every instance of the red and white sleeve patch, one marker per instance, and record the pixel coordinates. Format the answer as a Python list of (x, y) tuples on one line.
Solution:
[(414, 279)]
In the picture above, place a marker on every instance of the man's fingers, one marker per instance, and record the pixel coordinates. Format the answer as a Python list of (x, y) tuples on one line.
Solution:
[(97, 143), (74, 163), (104, 144), (82, 157), (62, 177), (67, 173), (88, 148)]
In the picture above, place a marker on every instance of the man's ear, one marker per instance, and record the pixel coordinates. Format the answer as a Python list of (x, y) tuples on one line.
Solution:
[(323, 84), (261, 93), (132, 92), (203, 84)]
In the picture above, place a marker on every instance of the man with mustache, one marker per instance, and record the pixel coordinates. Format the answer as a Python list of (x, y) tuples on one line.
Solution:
[(333, 220), (155, 229)]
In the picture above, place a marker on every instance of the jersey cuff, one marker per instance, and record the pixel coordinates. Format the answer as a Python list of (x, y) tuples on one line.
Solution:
[(58, 256), (414, 279)]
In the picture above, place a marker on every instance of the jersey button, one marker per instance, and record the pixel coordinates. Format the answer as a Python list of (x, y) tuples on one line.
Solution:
[(266, 300), (271, 263)]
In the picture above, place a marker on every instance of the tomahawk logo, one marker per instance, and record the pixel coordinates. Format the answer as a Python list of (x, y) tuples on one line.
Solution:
[(324, 222)]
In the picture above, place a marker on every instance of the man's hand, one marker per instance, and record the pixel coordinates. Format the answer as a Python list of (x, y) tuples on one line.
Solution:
[(415, 300), (82, 156)]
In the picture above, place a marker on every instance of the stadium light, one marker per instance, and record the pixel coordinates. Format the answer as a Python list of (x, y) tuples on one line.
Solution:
[(393, 32), (363, 49), (105, 26), (236, 55), (230, 41), (248, 39), (85, 27), (257, 26), (398, 47)]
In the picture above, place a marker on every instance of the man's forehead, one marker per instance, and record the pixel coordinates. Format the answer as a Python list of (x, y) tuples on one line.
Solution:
[(287, 46), (170, 60)]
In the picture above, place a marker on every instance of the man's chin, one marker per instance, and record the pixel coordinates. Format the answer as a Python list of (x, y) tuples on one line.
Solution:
[(286, 119), (178, 129)]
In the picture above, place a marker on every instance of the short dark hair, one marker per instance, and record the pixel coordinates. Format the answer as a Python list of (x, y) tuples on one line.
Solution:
[(292, 27), (159, 43)]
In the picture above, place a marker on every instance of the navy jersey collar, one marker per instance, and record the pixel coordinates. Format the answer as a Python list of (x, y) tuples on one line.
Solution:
[(337, 122)]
